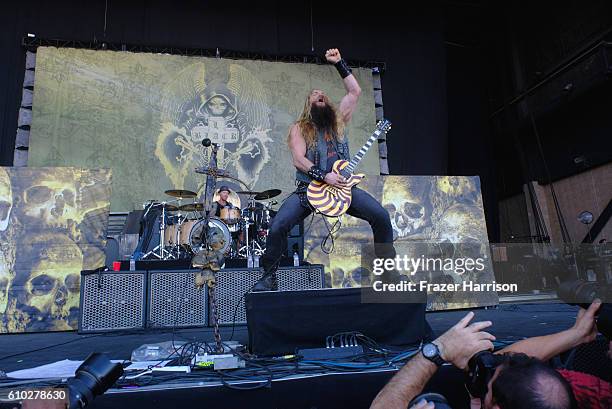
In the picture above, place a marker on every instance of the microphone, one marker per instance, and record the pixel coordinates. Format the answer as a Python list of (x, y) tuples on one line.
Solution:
[(206, 142)]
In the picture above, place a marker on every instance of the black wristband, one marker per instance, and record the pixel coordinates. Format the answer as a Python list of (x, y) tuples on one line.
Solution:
[(316, 174), (343, 68)]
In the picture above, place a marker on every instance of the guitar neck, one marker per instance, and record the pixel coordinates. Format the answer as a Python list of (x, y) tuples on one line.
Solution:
[(364, 149)]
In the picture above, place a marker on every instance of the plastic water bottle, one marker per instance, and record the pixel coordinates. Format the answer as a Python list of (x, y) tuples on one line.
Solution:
[(250, 261), (296, 259), (256, 261), (132, 264)]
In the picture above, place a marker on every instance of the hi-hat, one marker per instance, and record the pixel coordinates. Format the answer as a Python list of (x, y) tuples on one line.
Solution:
[(192, 207), (181, 193), (267, 194)]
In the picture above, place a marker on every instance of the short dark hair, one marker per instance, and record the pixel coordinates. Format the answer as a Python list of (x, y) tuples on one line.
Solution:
[(520, 383)]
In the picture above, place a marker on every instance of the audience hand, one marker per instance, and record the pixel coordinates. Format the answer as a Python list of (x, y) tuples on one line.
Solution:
[(463, 340)]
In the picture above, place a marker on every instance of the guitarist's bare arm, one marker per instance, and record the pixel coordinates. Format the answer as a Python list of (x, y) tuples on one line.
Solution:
[(297, 146), (353, 90)]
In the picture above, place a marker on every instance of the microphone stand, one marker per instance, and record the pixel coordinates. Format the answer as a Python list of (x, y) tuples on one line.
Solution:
[(211, 181)]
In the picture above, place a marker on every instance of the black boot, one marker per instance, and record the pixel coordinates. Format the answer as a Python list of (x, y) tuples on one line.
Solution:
[(266, 283)]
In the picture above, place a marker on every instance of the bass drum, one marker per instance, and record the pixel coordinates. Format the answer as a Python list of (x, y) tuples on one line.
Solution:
[(195, 235)]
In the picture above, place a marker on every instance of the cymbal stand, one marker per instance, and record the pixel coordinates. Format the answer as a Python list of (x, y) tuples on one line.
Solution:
[(179, 223), (160, 250)]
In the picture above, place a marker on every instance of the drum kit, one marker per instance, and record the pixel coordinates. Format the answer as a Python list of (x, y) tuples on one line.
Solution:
[(181, 225)]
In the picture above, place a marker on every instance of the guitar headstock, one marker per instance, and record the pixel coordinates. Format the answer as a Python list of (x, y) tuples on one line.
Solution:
[(383, 125)]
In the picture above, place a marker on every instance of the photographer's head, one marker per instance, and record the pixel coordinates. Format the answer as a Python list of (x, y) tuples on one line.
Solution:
[(525, 382)]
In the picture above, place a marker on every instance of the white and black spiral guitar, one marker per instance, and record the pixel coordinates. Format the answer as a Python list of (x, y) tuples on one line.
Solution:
[(334, 201)]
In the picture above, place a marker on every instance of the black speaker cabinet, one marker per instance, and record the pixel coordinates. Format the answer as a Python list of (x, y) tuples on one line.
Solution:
[(233, 284), (174, 301), (112, 301), (281, 321)]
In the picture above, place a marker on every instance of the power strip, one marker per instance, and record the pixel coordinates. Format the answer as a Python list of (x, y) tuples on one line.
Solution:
[(182, 368), (330, 353), (217, 362)]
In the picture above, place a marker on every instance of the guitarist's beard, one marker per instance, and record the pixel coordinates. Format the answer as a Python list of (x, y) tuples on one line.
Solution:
[(324, 118)]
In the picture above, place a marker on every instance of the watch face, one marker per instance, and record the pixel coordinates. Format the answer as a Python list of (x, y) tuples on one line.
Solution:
[(430, 350)]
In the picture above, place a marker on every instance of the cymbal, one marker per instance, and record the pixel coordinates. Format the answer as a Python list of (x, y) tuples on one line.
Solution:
[(192, 207), (247, 192), (181, 193), (267, 194)]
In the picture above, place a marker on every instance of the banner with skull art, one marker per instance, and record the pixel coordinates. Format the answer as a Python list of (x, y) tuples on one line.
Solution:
[(52, 225), (423, 210), (145, 116)]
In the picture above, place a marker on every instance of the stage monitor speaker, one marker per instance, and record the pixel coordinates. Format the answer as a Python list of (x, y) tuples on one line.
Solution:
[(174, 301), (295, 244), (233, 284), (281, 322), (297, 230), (112, 301)]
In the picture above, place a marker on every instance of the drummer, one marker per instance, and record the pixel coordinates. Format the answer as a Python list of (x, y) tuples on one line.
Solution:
[(224, 193)]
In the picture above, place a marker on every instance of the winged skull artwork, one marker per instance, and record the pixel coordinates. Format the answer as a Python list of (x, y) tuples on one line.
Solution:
[(221, 101)]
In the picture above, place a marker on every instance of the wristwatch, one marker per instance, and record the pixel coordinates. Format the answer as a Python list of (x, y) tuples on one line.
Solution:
[(432, 353)]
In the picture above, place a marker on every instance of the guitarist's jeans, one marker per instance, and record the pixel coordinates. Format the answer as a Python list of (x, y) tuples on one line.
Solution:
[(363, 206)]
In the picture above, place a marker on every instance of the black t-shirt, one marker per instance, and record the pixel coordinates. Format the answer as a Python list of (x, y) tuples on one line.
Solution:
[(332, 155), (218, 209)]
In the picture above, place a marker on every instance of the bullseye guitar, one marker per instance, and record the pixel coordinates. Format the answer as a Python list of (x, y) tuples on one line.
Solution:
[(334, 201)]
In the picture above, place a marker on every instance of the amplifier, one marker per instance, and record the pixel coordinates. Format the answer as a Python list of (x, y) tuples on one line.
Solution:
[(174, 301), (112, 301), (233, 284)]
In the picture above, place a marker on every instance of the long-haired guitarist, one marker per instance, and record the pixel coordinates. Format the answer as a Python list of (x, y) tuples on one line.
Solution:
[(316, 140)]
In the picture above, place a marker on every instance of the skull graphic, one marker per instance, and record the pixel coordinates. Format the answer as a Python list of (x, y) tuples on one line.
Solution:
[(461, 223), (6, 199), (456, 189), (406, 200), (7, 246), (59, 198), (49, 291)]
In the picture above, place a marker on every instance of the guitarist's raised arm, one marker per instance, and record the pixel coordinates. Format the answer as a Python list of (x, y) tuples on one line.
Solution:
[(353, 90), (297, 146)]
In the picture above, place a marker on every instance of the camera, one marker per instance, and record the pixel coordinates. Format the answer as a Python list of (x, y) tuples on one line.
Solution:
[(92, 378), (481, 368)]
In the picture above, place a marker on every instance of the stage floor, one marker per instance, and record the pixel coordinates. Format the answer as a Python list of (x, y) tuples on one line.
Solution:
[(316, 388), (511, 322)]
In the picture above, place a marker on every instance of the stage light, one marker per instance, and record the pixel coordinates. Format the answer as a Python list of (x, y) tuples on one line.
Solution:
[(95, 375), (585, 217)]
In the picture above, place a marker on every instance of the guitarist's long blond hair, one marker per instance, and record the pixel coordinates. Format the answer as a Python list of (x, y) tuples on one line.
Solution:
[(307, 127)]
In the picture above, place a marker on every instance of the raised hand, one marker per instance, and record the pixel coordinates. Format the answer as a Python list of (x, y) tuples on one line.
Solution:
[(333, 55), (464, 340), (585, 329)]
